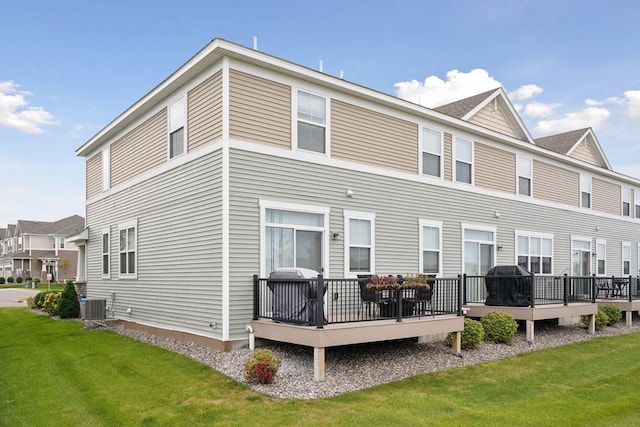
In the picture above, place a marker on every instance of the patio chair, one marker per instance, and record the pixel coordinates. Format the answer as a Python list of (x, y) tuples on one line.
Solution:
[(368, 297), (422, 298)]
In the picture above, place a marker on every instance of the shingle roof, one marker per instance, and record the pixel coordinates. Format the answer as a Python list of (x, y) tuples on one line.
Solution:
[(459, 109), (562, 142), (64, 227)]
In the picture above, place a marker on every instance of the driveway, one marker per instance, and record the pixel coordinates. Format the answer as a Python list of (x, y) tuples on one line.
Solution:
[(15, 297)]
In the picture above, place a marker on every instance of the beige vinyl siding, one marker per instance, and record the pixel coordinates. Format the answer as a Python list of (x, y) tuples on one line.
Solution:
[(259, 110), (140, 150), (606, 196), (94, 175), (448, 156), (493, 118), (555, 184), (179, 249), (494, 168), (584, 152), (366, 136), (205, 112)]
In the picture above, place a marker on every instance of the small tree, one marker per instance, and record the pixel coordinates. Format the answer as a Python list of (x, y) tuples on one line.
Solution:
[(68, 306), (63, 265)]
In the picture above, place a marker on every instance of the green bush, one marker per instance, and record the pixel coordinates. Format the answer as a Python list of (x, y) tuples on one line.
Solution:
[(499, 327), (68, 306), (39, 298), (51, 303), (31, 303), (472, 334), (37, 280), (18, 279), (2, 280), (10, 279), (261, 367), (601, 319), (613, 312)]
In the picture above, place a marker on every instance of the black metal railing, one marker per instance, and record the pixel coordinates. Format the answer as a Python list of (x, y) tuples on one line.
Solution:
[(321, 301)]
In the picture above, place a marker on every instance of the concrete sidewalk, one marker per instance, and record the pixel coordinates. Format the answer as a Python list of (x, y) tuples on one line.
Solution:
[(16, 297)]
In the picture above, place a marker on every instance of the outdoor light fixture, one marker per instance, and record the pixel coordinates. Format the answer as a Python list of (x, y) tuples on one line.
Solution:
[(349, 193), (496, 214)]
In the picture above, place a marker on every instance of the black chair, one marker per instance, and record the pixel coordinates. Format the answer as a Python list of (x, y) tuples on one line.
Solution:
[(368, 297), (422, 298)]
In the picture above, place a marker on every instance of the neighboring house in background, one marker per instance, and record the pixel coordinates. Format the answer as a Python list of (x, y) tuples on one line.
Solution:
[(37, 248), (241, 162)]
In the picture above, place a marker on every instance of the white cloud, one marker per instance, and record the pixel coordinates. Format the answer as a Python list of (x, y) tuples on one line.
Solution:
[(589, 117), (16, 113), (435, 91), (539, 109), (633, 103), (525, 92)]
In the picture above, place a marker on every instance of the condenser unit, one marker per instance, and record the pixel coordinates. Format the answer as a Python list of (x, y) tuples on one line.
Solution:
[(93, 309)]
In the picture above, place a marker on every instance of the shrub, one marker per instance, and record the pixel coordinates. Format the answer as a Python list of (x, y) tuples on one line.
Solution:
[(28, 278), (601, 319), (31, 303), (261, 367), (613, 312), (2, 280), (37, 280), (10, 279), (39, 298), (68, 306), (472, 334), (51, 303), (499, 327), (18, 279)]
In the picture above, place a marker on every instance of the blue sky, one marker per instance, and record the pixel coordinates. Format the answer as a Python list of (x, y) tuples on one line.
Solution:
[(67, 68)]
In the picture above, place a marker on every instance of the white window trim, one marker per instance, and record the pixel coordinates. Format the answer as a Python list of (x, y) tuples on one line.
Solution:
[(106, 165), (579, 238), (478, 227), (422, 150), (180, 98), (294, 121), (534, 234), (638, 259), (519, 160), (435, 224), (106, 231), (625, 245), (295, 207), (626, 198), (126, 225), (584, 177), (600, 256), (455, 159), (347, 261)]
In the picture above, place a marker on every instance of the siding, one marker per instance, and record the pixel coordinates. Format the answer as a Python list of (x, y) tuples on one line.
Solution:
[(259, 110), (584, 153), (494, 168), (179, 284), (606, 196), (94, 175), (555, 184), (205, 112), (494, 120), (448, 156), (366, 136), (144, 148)]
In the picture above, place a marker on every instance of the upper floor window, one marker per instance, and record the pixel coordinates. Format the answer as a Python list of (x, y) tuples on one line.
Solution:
[(585, 191), (535, 252), (177, 120), (430, 247), (431, 152), (636, 195), (128, 248), (359, 242), (524, 175), (20, 246), (312, 122), (105, 252), (626, 258), (601, 256), (464, 160), (626, 201)]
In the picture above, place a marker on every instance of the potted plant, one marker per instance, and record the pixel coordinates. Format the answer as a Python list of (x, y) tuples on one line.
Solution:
[(416, 281), (383, 283)]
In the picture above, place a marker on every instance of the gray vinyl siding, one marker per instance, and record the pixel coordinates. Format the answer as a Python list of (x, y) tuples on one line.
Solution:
[(606, 196), (205, 112), (94, 175), (366, 136), (555, 184), (494, 119), (140, 150), (179, 249), (259, 110), (494, 168)]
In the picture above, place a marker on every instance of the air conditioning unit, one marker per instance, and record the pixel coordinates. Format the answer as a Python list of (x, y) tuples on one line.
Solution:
[(93, 309)]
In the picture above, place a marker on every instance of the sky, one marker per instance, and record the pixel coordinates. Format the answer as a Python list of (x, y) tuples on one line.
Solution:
[(68, 68)]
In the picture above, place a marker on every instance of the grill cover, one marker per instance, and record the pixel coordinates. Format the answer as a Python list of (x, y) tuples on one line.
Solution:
[(508, 285), (294, 298)]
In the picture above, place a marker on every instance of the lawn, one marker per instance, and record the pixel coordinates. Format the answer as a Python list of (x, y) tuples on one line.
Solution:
[(58, 373)]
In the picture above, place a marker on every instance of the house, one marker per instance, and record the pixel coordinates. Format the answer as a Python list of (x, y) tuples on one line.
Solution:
[(240, 163), (37, 249)]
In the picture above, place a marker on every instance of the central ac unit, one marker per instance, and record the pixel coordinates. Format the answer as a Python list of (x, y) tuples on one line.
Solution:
[(93, 309)]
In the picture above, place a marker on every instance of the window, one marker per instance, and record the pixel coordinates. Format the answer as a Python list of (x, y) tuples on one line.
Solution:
[(601, 257), (478, 249), (61, 240), (312, 122), (293, 236), (359, 242), (20, 243), (464, 160), (636, 195), (585, 191), (534, 252), (430, 247), (626, 201), (626, 258), (128, 251), (105, 252), (431, 152), (524, 175), (177, 119), (580, 256)]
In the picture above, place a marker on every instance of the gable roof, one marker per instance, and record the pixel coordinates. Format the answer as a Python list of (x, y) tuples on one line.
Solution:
[(63, 227), (495, 101), (580, 144)]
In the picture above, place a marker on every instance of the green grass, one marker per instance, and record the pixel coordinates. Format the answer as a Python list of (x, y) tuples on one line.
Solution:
[(42, 286), (57, 373)]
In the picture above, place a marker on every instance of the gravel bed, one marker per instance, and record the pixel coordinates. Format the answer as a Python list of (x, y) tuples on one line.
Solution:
[(355, 367)]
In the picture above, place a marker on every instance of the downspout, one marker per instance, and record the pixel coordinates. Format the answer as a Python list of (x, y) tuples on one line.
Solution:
[(252, 337)]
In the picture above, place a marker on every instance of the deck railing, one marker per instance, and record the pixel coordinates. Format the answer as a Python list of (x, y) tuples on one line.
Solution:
[(322, 301)]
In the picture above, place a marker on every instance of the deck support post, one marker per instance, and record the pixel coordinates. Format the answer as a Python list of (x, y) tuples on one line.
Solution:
[(628, 317), (456, 343), (530, 331), (592, 324), (318, 364)]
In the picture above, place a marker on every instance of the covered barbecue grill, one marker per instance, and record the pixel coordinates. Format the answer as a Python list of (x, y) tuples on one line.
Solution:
[(294, 295), (508, 285)]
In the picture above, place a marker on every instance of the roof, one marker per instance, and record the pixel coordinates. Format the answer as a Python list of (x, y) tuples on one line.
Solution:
[(462, 107), (63, 227), (567, 142)]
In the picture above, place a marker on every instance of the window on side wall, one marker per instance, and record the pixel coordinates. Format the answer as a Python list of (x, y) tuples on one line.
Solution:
[(464, 160), (636, 197), (177, 119), (128, 249), (626, 258), (601, 257), (585, 191), (626, 201), (431, 152), (430, 247), (524, 175), (105, 253), (534, 252), (359, 243), (312, 122)]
